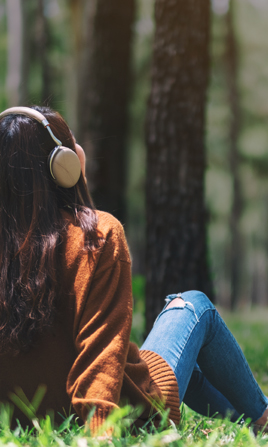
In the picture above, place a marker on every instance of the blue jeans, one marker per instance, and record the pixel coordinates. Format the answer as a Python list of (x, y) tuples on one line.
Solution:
[(212, 373)]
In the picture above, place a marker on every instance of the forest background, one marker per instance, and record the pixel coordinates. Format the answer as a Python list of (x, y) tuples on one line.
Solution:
[(46, 53)]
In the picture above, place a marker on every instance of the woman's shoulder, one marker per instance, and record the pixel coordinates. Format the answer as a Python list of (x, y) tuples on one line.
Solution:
[(113, 235), (106, 220), (108, 224), (111, 231)]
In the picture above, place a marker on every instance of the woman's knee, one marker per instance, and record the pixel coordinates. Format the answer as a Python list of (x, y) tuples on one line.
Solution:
[(198, 300), (176, 302)]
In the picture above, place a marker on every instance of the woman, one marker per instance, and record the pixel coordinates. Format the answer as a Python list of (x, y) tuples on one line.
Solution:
[(66, 303)]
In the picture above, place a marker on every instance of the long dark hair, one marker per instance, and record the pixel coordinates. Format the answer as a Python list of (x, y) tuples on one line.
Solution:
[(32, 227)]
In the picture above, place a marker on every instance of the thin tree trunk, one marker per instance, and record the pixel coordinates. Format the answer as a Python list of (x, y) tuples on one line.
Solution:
[(234, 158), (82, 15), (42, 43), (77, 12), (103, 91), (176, 255), (25, 20), (14, 29), (26, 40)]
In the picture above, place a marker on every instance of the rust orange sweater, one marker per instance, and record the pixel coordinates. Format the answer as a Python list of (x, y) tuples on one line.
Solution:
[(86, 359)]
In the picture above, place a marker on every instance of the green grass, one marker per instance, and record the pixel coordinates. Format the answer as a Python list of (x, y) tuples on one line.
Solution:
[(251, 330)]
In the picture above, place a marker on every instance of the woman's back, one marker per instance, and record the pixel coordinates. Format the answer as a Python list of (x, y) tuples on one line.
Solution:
[(54, 356), (94, 291), (66, 298)]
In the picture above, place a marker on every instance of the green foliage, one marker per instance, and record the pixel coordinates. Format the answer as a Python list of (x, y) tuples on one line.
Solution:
[(138, 322), (22, 402)]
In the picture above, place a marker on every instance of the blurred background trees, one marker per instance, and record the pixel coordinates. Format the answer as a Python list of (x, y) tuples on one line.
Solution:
[(104, 78), (233, 97), (93, 61)]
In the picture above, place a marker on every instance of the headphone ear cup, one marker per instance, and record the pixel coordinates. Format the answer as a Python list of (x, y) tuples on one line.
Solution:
[(64, 166)]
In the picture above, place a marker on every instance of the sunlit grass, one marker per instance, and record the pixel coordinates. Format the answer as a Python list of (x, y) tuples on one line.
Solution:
[(249, 328)]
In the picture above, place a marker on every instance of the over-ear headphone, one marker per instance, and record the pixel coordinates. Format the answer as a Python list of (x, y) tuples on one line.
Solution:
[(63, 163)]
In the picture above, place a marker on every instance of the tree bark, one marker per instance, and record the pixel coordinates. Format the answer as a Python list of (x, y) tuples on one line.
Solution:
[(25, 20), (42, 34), (103, 91), (176, 252), (234, 157), (26, 53), (14, 29), (82, 15)]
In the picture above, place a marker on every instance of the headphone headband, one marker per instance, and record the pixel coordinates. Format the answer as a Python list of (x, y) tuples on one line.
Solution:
[(31, 113), (63, 162), (27, 111)]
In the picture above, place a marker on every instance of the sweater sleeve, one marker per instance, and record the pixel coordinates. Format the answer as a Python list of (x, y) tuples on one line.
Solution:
[(102, 335)]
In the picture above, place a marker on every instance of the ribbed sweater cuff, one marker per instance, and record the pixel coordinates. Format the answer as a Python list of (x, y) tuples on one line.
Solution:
[(162, 374), (97, 420)]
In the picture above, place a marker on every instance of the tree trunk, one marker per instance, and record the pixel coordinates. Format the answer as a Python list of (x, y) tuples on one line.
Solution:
[(25, 20), (26, 38), (14, 30), (82, 15), (42, 45), (234, 158), (176, 258), (103, 91)]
